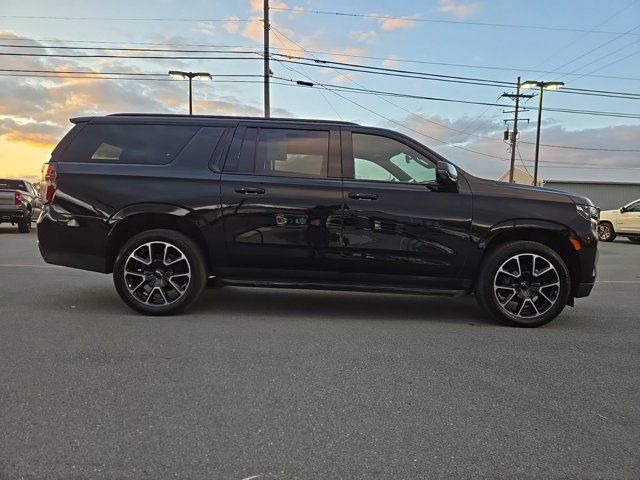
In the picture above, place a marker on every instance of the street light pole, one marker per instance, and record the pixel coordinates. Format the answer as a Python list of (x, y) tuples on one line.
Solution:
[(535, 166), (542, 86), (190, 95), (190, 76)]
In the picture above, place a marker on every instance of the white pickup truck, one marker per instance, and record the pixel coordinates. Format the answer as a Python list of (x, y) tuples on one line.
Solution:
[(19, 203), (624, 221)]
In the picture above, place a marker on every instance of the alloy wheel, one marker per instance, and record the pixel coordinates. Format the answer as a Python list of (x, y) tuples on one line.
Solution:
[(526, 285), (157, 273), (604, 231)]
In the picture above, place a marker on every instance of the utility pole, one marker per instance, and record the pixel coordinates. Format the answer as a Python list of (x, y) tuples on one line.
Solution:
[(514, 135), (267, 99)]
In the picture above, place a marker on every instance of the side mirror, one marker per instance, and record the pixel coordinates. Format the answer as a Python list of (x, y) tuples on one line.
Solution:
[(447, 176), (623, 209)]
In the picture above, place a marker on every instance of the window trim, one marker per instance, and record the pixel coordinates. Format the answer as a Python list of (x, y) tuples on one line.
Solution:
[(334, 164), (348, 168), (100, 124)]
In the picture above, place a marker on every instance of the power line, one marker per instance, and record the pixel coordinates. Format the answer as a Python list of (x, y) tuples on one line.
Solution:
[(628, 32), (90, 72), (569, 147), (471, 102), (453, 22), (136, 49), (131, 19), (579, 37), (409, 73), (149, 57), (315, 62), (341, 54), (385, 117)]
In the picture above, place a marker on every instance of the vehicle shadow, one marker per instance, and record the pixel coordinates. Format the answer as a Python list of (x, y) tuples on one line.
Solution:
[(282, 303)]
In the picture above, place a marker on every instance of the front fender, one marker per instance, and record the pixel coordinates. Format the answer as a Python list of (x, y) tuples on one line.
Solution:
[(523, 224)]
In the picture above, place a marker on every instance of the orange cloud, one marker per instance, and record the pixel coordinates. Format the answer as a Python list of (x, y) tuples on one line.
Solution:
[(387, 23), (459, 9)]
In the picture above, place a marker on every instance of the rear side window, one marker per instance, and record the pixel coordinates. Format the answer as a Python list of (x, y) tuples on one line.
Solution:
[(12, 185), (292, 153), (128, 144)]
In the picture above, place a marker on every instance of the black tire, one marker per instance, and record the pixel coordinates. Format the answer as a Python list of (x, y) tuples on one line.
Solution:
[(499, 291), (24, 225), (168, 287), (606, 233)]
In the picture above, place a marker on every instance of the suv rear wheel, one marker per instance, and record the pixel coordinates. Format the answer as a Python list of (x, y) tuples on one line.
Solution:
[(159, 272), (24, 224), (524, 284)]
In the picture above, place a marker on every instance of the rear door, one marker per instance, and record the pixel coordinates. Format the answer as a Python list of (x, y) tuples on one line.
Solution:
[(629, 220), (282, 199), (396, 222)]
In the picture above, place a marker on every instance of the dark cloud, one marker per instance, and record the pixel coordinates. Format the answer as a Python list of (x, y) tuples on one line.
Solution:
[(488, 138)]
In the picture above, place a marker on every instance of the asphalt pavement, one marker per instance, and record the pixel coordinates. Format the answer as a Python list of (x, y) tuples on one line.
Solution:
[(308, 384)]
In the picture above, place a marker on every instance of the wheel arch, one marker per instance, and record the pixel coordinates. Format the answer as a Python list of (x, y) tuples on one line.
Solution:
[(554, 235), (142, 217)]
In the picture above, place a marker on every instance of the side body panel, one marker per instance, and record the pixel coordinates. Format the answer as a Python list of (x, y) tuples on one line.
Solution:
[(280, 223), (405, 230)]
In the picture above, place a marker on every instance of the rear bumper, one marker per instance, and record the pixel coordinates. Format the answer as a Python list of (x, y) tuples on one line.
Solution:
[(12, 214), (72, 241)]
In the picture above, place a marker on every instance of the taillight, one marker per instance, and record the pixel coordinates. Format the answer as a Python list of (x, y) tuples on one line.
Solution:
[(17, 198), (48, 182)]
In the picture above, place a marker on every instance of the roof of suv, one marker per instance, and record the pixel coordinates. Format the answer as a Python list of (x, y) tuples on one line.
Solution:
[(178, 118)]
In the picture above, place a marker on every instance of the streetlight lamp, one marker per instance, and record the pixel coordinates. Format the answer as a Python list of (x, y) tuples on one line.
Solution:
[(190, 76), (531, 84)]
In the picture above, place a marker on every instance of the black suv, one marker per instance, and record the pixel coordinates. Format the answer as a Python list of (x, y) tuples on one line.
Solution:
[(168, 202)]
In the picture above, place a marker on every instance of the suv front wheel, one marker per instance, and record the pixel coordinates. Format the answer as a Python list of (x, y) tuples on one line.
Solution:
[(159, 272), (524, 284)]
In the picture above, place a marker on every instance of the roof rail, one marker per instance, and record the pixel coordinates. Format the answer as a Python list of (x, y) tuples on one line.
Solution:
[(228, 117)]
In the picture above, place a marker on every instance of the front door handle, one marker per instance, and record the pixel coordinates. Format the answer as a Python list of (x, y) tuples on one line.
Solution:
[(363, 196), (249, 190)]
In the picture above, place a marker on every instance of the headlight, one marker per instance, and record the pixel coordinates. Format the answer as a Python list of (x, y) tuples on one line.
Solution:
[(588, 212)]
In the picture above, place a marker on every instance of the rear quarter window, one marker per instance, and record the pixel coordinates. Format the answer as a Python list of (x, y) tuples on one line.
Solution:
[(128, 144)]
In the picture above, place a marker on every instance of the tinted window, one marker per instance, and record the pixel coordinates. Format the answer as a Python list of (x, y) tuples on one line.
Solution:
[(293, 153), (634, 207), (135, 144), (200, 149), (384, 159), (7, 184)]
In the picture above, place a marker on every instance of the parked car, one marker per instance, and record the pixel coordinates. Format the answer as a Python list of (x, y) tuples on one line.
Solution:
[(166, 202), (623, 221), (19, 203)]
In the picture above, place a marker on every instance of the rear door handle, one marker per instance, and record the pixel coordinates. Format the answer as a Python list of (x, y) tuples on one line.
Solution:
[(249, 190), (363, 196)]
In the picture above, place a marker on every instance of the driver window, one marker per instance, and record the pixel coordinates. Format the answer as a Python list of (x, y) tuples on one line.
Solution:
[(384, 159)]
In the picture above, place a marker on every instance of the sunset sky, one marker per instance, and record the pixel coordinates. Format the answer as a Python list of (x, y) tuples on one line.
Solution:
[(588, 44)]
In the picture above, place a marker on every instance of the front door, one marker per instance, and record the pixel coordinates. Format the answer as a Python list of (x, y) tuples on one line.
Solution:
[(397, 224), (629, 220), (282, 201)]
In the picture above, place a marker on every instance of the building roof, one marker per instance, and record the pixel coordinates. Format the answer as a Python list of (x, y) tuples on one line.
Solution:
[(520, 176), (593, 175)]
